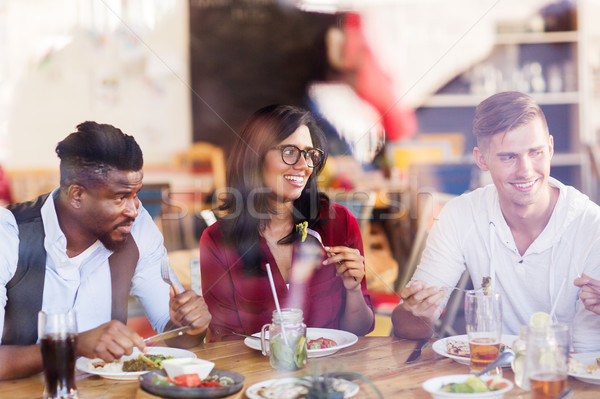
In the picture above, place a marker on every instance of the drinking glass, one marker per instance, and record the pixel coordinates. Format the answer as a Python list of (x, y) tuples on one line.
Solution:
[(547, 360), (483, 315), (287, 340), (518, 364), (57, 331)]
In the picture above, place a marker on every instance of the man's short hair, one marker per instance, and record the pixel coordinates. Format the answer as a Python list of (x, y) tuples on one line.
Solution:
[(504, 112), (87, 155)]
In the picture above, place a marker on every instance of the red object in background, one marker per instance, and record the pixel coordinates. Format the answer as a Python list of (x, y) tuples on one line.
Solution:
[(373, 84), (141, 325), (384, 301), (5, 192)]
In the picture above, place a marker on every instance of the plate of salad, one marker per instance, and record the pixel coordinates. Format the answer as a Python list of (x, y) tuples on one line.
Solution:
[(218, 384), (319, 341), (132, 366)]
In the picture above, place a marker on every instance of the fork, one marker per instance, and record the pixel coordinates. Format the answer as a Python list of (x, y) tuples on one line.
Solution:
[(165, 268), (452, 288), (316, 235)]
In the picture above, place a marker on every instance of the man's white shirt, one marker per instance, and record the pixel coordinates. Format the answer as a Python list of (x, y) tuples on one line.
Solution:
[(83, 283), (471, 233)]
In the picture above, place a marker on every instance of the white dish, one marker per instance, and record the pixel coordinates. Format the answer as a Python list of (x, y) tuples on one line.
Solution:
[(433, 386), (252, 391), (589, 359), (342, 338), (440, 346), (183, 365), (83, 363)]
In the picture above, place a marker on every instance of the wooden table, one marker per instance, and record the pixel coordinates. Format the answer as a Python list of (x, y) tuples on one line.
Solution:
[(380, 358)]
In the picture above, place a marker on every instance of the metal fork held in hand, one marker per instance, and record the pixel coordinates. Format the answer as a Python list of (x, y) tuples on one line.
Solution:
[(165, 268), (316, 235)]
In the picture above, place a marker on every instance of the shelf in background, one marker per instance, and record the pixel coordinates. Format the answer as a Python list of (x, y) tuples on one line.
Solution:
[(537, 37), (472, 100), (569, 159)]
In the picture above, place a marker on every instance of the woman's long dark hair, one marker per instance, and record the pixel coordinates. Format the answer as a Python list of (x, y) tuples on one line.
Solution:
[(245, 208)]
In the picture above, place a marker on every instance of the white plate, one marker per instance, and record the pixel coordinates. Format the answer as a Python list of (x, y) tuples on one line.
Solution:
[(588, 359), (342, 338), (434, 385), (83, 363), (440, 346), (252, 391)]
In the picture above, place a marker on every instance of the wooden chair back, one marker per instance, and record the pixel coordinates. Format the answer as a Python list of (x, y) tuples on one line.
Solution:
[(204, 158), (360, 204), (428, 206)]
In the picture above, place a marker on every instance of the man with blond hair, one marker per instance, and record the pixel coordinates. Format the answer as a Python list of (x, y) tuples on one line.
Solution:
[(529, 232)]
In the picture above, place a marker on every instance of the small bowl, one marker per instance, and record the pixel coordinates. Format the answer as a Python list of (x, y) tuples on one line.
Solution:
[(433, 386), (179, 366)]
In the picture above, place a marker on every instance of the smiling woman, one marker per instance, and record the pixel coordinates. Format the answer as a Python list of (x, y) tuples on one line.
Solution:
[(272, 188)]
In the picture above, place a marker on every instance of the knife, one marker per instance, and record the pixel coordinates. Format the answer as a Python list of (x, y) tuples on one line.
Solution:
[(565, 394), (416, 353), (167, 334), (247, 336)]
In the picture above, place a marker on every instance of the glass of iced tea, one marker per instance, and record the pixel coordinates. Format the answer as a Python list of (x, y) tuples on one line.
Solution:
[(547, 360), (483, 316), (57, 331)]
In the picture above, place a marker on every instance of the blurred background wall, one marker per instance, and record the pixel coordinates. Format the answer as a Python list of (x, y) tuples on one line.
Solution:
[(66, 61), (171, 72)]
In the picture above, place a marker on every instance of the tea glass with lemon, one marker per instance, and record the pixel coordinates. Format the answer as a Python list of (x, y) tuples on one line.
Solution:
[(541, 360), (547, 360), (537, 320)]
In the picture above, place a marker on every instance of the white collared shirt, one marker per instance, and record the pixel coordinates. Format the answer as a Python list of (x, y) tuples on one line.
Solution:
[(471, 233), (87, 287), (9, 254)]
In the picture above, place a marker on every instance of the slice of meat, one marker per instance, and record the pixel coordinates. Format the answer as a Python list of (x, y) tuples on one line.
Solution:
[(457, 347)]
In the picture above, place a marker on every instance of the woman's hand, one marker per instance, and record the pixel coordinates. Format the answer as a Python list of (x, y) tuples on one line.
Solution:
[(349, 265)]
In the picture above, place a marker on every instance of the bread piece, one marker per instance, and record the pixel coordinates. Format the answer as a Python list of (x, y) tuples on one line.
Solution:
[(457, 347)]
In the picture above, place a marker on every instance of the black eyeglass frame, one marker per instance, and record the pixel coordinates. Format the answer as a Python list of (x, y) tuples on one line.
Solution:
[(304, 153)]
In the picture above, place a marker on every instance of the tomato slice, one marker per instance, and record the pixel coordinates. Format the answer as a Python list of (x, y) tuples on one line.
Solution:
[(187, 380), (494, 384)]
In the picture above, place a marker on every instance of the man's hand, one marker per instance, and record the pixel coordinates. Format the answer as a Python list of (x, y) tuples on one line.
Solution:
[(189, 309), (415, 316), (108, 341), (590, 292), (422, 300)]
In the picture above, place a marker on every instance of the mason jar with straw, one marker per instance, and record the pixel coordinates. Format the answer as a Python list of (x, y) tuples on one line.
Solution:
[(287, 335)]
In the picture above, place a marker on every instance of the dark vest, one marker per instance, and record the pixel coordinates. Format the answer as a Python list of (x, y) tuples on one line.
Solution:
[(25, 290)]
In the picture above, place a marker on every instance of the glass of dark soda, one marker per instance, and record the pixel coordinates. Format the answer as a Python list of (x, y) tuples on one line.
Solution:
[(57, 331)]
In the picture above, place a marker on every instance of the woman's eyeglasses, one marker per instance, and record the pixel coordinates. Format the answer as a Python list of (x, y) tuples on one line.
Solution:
[(290, 154)]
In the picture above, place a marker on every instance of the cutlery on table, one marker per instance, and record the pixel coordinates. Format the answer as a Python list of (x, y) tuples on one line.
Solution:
[(565, 394), (416, 353), (247, 336), (166, 335), (316, 235), (504, 358)]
